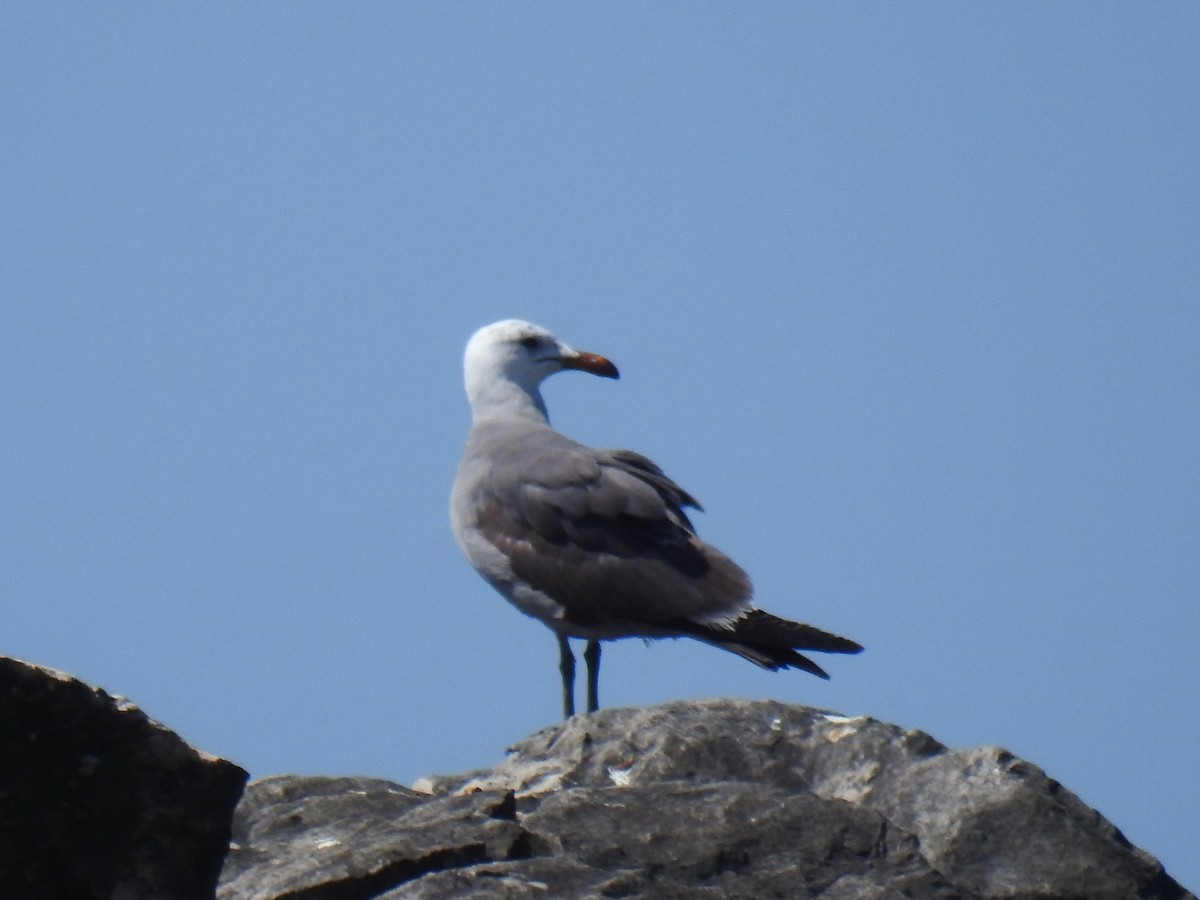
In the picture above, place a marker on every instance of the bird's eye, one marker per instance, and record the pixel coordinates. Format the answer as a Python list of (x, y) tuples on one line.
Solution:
[(530, 342)]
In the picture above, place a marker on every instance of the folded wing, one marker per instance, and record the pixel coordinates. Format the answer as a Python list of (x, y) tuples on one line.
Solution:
[(604, 533)]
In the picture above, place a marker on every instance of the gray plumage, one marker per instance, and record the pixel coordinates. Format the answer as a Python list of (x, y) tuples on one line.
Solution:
[(594, 543)]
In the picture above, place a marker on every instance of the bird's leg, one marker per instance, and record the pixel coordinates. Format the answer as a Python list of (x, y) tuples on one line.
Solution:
[(566, 665), (591, 656)]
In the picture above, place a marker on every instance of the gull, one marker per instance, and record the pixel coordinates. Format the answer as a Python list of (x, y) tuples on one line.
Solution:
[(595, 544)]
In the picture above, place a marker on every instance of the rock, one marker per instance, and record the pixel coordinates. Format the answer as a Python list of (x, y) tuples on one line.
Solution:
[(99, 801), (729, 840), (716, 799), (298, 836)]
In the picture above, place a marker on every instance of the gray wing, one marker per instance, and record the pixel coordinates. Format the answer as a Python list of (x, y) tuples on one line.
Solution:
[(603, 533)]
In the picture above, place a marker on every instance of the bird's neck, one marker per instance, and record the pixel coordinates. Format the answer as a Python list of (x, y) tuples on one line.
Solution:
[(501, 397)]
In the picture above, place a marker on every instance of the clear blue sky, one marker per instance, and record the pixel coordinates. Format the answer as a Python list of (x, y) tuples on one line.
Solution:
[(907, 294)]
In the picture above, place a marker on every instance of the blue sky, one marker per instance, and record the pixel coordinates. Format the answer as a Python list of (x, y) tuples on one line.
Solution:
[(905, 294)]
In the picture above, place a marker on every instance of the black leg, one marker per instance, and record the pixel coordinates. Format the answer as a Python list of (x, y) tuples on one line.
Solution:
[(566, 665), (591, 656)]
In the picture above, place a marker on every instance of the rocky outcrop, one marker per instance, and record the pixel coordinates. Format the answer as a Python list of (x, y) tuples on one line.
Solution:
[(715, 799), (99, 801)]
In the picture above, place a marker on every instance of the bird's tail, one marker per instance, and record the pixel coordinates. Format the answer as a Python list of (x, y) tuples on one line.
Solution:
[(772, 642)]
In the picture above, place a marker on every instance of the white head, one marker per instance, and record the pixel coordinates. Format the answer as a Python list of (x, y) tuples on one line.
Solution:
[(506, 361)]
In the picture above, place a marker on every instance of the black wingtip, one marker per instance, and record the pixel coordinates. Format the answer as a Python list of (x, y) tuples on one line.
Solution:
[(794, 660)]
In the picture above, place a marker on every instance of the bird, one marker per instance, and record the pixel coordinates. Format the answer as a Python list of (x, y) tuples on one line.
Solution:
[(595, 544)]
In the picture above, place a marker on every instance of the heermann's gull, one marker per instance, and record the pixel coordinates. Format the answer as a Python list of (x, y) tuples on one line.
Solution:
[(594, 543)]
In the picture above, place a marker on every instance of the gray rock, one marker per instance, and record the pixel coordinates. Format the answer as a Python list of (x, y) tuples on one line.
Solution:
[(731, 840), (717, 799), (298, 836), (99, 801)]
